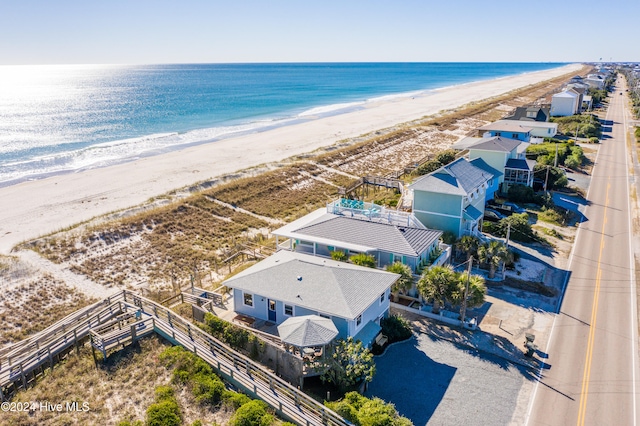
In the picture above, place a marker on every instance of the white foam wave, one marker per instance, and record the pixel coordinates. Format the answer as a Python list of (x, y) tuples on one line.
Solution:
[(329, 108)]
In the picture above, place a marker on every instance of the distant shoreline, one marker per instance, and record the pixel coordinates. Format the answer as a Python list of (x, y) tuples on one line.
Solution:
[(34, 208), (149, 110)]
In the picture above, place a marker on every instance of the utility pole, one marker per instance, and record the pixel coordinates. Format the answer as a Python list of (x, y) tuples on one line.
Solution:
[(466, 290), (508, 233), (546, 180), (555, 161)]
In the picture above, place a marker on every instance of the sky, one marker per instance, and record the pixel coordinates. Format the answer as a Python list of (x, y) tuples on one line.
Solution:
[(211, 31)]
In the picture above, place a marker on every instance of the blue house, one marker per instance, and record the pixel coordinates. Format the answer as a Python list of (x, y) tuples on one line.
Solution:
[(452, 198), (289, 284), (508, 129), (507, 156)]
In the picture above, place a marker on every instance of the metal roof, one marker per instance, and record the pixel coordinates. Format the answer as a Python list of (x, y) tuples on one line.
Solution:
[(480, 163), (472, 213), (323, 285), (459, 178)]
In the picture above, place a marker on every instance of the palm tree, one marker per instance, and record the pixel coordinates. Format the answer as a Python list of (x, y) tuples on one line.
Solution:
[(437, 284), (405, 282), (493, 253), (468, 244), (476, 291)]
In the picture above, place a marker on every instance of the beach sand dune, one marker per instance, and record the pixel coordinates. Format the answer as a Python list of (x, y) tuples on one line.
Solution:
[(31, 209)]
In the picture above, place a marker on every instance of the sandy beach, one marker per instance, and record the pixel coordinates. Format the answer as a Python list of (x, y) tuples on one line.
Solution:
[(32, 209)]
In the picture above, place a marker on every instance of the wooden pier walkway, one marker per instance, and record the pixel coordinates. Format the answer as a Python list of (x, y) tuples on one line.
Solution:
[(126, 317)]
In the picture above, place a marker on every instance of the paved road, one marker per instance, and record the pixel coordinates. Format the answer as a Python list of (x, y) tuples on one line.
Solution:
[(592, 367)]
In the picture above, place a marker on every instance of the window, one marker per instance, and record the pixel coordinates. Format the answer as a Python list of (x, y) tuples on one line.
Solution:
[(288, 310), (324, 316), (382, 298), (359, 320), (247, 298)]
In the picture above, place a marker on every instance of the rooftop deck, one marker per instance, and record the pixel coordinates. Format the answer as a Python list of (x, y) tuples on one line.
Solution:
[(373, 212)]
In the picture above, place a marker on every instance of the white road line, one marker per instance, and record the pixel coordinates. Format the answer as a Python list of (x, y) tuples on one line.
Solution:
[(633, 299), (564, 288)]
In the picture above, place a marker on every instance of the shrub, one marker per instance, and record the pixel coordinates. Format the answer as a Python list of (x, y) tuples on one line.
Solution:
[(339, 255), (448, 237), (208, 389), (363, 259), (364, 411), (235, 399), (235, 336), (215, 324), (349, 364), (572, 162), (521, 194), (396, 328), (428, 167), (253, 413), (446, 157), (165, 411)]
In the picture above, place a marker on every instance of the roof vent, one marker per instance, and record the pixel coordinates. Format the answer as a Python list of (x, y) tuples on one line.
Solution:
[(299, 278)]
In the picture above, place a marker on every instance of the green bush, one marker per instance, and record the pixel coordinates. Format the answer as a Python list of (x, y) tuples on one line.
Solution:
[(253, 413), (363, 259), (446, 157), (164, 413), (186, 364), (428, 167), (339, 255), (207, 389), (235, 399), (236, 337), (215, 324), (396, 328), (521, 194), (448, 237), (363, 411)]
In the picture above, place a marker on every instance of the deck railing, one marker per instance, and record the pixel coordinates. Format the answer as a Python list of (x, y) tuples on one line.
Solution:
[(22, 367)]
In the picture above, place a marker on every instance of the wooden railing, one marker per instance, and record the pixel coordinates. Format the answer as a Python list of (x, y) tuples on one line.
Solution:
[(21, 367)]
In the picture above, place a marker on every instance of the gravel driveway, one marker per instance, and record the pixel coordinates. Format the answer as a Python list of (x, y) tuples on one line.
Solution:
[(436, 382)]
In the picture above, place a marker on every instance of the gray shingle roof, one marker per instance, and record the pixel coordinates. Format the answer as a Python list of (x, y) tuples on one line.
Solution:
[(390, 238), (516, 163), (459, 178), (496, 143), (335, 288)]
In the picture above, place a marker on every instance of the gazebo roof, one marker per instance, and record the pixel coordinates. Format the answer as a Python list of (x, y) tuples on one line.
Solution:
[(308, 330)]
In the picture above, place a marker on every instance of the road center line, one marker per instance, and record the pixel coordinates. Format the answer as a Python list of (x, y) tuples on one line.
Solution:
[(594, 316)]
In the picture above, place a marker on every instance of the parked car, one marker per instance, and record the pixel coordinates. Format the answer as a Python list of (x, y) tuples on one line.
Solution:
[(514, 207), (493, 215)]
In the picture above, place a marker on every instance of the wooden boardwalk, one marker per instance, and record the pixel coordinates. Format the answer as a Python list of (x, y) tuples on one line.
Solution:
[(109, 324)]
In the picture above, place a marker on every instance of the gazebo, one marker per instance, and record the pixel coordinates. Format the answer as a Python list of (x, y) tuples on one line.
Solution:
[(307, 332)]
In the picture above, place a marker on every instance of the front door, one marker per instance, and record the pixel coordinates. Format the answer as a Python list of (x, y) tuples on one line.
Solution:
[(272, 310)]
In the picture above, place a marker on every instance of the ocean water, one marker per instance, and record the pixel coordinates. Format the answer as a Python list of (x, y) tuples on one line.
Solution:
[(66, 118)]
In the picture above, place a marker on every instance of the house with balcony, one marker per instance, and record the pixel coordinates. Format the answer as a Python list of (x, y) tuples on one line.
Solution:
[(353, 226), (289, 284), (506, 156), (525, 131), (452, 198), (506, 128)]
